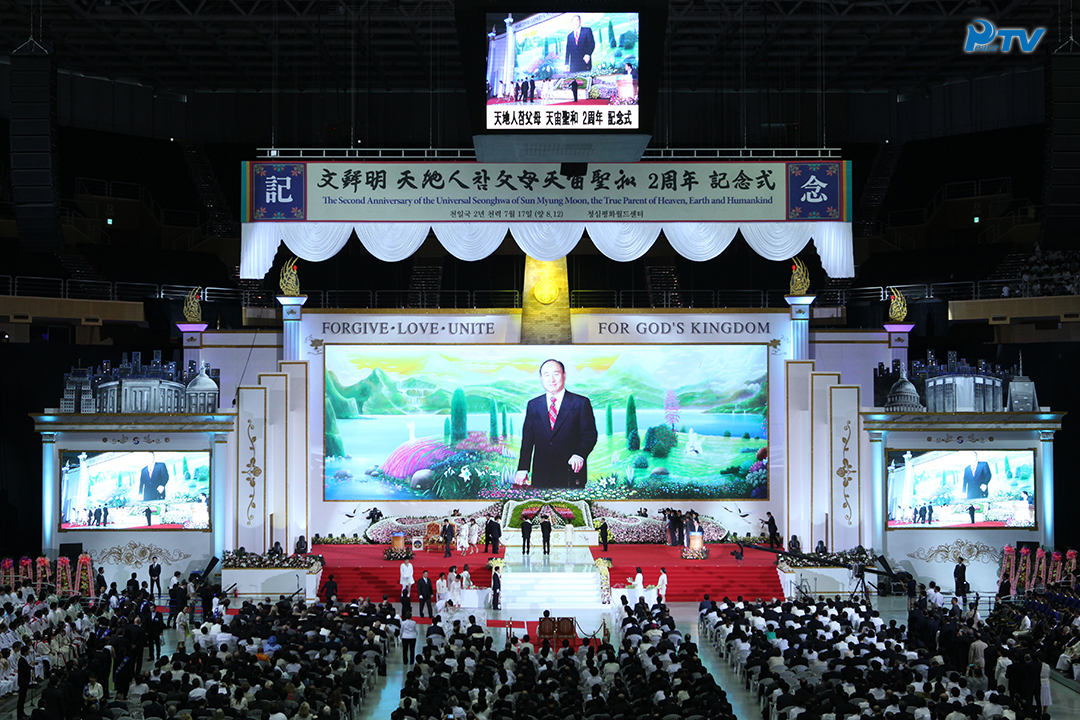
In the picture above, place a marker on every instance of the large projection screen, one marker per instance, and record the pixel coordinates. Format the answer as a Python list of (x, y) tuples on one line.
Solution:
[(563, 71), (408, 422), (152, 490), (960, 488)]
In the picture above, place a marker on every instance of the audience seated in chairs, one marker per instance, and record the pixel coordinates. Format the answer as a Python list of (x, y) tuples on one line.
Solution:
[(270, 660), (650, 680), (838, 659)]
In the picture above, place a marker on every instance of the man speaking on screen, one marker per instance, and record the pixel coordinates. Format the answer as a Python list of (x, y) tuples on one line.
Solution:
[(976, 478), (558, 434), (580, 44), (153, 479)]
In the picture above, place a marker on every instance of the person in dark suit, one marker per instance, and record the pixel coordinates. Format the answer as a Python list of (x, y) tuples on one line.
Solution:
[(774, 534), (545, 534), (496, 588), (558, 434), (447, 536), (604, 534), (155, 576), (329, 590), (100, 584), (495, 530), (959, 574), (574, 88), (153, 479), (580, 44), (977, 478), (26, 678), (155, 708), (425, 590), (526, 535)]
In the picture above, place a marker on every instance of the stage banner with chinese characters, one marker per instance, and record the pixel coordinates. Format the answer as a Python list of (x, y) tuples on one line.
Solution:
[(740, 191)]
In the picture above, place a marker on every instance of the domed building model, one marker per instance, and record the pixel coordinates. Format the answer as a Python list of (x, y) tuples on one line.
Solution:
[(903, 397)]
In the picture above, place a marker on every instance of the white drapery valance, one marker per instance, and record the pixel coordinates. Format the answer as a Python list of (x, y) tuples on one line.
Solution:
[(318, 241)]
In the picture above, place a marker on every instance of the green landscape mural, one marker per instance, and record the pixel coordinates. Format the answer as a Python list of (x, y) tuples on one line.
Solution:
[(445, 422)]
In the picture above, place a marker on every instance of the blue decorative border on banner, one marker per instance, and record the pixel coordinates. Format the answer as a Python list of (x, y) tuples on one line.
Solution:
[(278, 191), (815, 191)]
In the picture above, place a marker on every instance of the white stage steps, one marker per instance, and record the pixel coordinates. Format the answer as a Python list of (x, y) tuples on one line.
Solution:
[(560, 581)]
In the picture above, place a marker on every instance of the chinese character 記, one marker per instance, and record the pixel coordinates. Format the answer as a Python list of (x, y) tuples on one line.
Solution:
[(276, 189)]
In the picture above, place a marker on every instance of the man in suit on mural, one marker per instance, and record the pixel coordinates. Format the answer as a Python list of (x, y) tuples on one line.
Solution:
[(153, 479), (580, 44), (977, 478), (558, 434)]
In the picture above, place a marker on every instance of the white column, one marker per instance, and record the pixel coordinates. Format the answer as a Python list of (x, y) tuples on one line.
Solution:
[(877, 480), (49, 484), (1045, 498), (898, 340), (191, 338), (291, 312), (220, 473), (800, 325)]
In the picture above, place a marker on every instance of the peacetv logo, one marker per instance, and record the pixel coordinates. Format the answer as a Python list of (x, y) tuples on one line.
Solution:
[(982, 36)]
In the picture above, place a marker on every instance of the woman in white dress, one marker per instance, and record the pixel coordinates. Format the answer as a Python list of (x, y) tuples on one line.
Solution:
[(462, 535), (1044, 686), (474, 536), (442, 592), (453, 582), (568, 537), (466, 578), (406, 577), (661, 585)]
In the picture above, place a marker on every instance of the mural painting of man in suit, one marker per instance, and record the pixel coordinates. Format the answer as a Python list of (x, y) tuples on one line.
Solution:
[(558, 434)]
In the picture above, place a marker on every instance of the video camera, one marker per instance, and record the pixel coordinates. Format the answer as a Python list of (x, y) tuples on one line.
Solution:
[(374, 515)]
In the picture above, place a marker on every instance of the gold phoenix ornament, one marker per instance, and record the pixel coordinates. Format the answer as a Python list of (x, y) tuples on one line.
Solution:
[(897, 305), (800, 277), (192, 307), (290, 279)]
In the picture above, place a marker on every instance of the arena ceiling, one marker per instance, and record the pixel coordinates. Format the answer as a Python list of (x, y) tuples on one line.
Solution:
[(320, 45)]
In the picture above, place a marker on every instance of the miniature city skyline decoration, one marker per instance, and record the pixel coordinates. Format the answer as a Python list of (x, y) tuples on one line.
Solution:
[(136, 388), (955, 386)]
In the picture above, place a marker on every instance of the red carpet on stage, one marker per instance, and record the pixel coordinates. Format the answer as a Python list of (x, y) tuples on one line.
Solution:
[(689, 580), (360, 570)]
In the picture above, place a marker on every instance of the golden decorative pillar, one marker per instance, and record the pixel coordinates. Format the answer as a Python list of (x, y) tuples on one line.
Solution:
[(545, 303)]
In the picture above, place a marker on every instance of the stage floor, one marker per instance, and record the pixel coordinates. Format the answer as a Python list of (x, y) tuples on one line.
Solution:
[(361, 571)]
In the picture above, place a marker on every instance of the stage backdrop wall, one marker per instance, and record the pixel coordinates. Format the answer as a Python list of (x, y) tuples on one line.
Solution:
[(122, 551), (352, 346), (931, 552)]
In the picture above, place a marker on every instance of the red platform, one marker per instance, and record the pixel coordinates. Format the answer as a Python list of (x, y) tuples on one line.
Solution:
[(689, 580), (360, 570)]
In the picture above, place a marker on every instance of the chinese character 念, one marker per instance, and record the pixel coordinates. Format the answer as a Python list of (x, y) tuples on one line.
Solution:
[(813, 188)]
